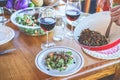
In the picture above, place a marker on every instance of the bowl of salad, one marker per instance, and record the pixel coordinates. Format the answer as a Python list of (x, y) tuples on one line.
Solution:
[(27, 21)]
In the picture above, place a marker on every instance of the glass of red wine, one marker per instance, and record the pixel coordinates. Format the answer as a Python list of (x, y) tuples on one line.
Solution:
[(2, 5), (47, 23), (72, 11)]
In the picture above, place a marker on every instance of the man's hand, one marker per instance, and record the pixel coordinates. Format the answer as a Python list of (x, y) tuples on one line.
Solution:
[(115, 14)]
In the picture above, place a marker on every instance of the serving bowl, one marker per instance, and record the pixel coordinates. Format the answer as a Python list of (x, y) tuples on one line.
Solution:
[(98, 22), (27, 29)]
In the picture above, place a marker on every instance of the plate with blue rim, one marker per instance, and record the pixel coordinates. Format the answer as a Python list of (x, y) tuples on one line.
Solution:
[(71, 69)]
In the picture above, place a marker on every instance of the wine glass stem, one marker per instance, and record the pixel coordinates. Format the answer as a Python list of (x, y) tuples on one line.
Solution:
[(2, 10), (47, 37), (72, 28)]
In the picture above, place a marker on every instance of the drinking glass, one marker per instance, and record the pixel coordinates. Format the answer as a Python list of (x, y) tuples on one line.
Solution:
[(2, 4), (47, 23), (72, 11), (58, 31)]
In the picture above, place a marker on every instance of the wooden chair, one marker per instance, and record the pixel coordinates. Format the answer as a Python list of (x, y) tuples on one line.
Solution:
[(90, 6), (117, 72), (87, 6)]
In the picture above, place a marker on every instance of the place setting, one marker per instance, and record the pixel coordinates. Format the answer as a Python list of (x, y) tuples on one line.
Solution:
[(69, 61), (57, 60)]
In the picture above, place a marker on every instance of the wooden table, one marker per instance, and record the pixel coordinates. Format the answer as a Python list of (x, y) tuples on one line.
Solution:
[(20, 64)]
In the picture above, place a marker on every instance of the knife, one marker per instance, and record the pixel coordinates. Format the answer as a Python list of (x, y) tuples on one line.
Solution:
[(7, 51)]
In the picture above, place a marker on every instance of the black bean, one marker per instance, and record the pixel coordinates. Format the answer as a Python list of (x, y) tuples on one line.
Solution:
[(92, 38), (48, 69)]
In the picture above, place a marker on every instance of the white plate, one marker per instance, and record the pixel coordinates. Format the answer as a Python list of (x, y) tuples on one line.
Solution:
[(73, 68), (6, 34), (105, 54)]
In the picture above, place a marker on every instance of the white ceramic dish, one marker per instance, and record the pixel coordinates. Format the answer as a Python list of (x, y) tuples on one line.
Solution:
[(6, 34), (114, 53), (28, 30), (98, 22), (71, 69)]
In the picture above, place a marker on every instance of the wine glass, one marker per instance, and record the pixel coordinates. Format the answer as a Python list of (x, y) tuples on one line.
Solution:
[(72, 11), (2, 4), (47, 23)]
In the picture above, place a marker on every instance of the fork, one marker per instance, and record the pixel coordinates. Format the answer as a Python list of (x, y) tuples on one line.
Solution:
[(7, 51)]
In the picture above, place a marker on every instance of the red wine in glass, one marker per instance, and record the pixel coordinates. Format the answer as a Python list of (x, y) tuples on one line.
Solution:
[(72, 11), (47, 23), (72, 15), (3, 3)]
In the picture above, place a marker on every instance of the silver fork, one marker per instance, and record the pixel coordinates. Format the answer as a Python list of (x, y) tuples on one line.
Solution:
[(7, 51)]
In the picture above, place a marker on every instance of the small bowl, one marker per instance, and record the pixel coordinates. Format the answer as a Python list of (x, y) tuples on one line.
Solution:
[(28, 30), (99, 22)]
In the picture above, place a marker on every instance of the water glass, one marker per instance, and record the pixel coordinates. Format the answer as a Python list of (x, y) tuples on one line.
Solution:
[(58, 32)]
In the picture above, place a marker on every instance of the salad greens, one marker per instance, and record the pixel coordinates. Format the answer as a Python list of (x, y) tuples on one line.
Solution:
[(27, 20), (32, 32), (30, 20), (59, 60)]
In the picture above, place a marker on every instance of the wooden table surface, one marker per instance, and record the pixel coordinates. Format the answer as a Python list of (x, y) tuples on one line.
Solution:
[(20, 64)]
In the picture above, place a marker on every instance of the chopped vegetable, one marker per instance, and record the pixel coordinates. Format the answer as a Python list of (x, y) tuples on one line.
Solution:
[(59, 60), (27, 20), (30, 20), (21, 4), (92, 38), (31, 4)]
